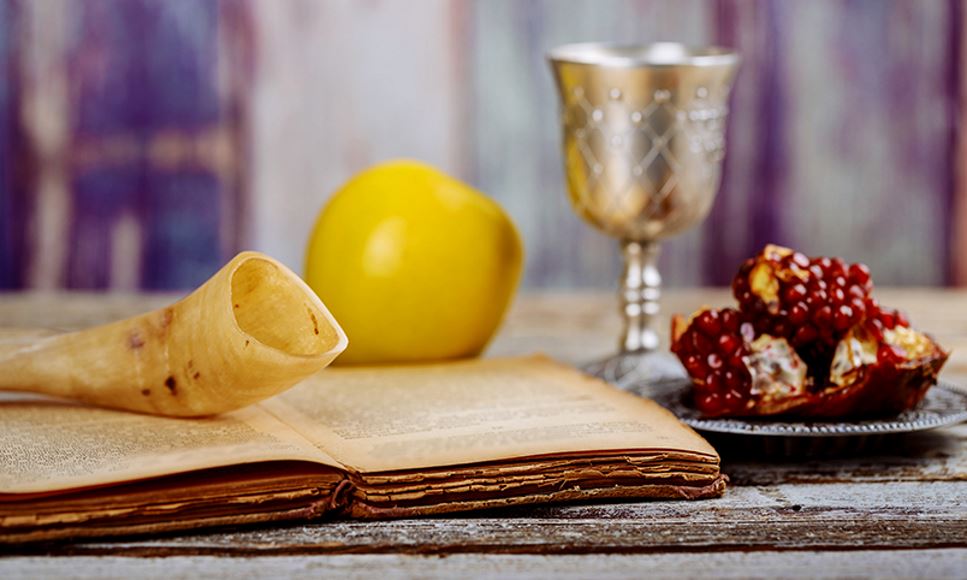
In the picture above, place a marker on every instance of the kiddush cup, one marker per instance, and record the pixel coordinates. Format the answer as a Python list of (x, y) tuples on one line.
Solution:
[(644, 138)]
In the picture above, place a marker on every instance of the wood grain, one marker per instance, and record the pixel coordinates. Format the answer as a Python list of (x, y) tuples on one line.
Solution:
[(807, 564), (776, 517), (901, 511), (571, 326)]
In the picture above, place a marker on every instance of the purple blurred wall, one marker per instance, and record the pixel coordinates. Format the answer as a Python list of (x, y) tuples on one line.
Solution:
[(143, 142), (122, 139)]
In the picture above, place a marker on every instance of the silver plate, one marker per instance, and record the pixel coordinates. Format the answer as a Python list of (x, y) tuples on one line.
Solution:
[(944, 405)]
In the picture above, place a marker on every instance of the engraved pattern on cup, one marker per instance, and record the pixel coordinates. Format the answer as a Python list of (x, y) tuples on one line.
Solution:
[(628, 161)]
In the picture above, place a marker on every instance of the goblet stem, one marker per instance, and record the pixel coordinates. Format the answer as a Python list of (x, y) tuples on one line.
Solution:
[(639, 366), (640, 293)]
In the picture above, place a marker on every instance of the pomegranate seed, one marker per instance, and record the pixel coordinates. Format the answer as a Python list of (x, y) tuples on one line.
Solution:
[(859, 273), (816, 300), (728, 344), (798, 314), (823, 316), (843, 318), (837, 296), (701, 343), (805, 335), (736, 361), (715, 381), (817, 284), (794, 294), (714, 361), (710, 403), (837, 267), (730, 320), (733, 381), (800, 260), (708, 322), (693, 364), (888, 320)]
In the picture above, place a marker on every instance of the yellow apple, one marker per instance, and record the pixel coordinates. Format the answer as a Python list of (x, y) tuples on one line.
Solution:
[(414, 264)]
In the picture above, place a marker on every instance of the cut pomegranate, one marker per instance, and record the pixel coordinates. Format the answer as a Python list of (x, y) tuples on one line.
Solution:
[(808, 339), (885, 318), (734, 372), (811, 302), (711, 347), (877, 372)]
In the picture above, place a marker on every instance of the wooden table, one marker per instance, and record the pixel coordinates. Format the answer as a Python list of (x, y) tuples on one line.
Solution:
[(902, 512)]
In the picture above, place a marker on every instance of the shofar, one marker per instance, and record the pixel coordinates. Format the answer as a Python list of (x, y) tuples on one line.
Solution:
[(251, 331)]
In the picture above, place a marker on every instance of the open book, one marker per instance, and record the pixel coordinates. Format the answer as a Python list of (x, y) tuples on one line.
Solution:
[(361, 443)]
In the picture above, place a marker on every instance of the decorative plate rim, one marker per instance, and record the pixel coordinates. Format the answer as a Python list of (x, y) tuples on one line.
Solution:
[(943, 406)]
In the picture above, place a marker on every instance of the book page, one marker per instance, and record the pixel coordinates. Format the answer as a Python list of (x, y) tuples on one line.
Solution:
[(52, 445), (410, 417)]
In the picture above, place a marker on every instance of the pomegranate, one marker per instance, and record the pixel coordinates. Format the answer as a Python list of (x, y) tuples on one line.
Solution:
[(810, 301), (735, 372), (878, 372), (807, 339)]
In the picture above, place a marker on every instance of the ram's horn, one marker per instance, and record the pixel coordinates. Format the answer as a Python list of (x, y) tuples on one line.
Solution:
[(253, 330)]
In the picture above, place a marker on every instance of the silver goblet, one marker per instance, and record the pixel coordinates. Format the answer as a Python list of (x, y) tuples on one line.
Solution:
[(643, 145)]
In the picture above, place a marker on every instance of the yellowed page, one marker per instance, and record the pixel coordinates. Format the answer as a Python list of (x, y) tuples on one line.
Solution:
[(465, 412), (50, 445)]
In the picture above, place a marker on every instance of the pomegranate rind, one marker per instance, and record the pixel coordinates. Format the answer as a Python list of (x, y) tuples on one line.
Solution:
[(766, 275), (882, 388), (679, 326)]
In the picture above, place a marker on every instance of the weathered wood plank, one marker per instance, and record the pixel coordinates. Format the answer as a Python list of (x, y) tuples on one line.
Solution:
[(912, 496), (572, 326), (901, 564), (938, 455), (782, 517), (579, 327)]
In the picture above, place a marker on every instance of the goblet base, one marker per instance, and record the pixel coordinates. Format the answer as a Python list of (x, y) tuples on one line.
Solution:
[(646, 373)]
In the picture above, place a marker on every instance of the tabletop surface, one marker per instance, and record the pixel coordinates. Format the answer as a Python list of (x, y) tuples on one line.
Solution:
[(900, 511)]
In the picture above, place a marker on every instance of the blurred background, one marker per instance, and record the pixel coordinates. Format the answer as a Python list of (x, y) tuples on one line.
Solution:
[(144, 142)]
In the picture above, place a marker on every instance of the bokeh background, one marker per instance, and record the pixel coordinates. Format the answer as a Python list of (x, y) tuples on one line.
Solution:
[(143, 142)]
